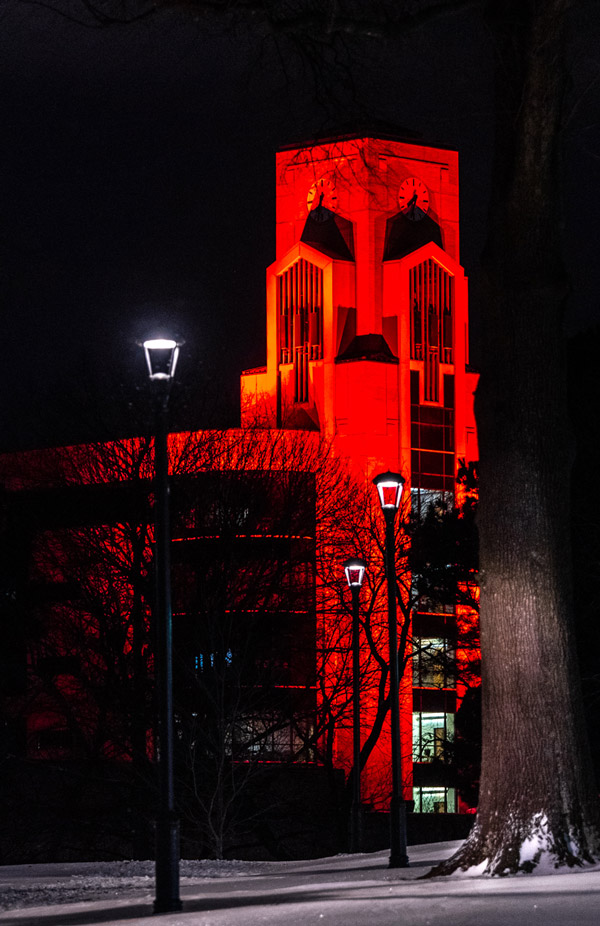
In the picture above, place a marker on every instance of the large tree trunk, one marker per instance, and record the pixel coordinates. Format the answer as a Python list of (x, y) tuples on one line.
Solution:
[(537, 800)]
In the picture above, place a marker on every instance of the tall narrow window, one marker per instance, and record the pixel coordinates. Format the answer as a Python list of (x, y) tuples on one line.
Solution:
[(432, 307), (301, 321)]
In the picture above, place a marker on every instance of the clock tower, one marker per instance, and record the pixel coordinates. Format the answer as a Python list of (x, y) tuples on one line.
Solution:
[(367, 323)]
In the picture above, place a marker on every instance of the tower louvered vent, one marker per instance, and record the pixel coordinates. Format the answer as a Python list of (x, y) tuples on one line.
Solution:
[(301, 321), (432, 309)]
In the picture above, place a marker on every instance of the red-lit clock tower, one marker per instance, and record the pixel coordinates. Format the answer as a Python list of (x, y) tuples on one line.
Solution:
[(367, 307), (367, 322)]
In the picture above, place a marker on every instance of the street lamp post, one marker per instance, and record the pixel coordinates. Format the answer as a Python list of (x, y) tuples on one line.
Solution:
[(355, 573), (161, 360), (389, 487)]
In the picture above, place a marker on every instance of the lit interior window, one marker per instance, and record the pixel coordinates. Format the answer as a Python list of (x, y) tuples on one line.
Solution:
[(431, 733), (434, 800), (433, 663)]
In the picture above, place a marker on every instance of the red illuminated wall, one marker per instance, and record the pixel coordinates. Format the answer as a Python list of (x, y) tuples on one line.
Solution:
[(367, 324)]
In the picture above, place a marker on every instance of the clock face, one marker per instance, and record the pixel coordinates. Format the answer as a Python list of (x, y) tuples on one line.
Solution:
[(322, 193), (413, 198)]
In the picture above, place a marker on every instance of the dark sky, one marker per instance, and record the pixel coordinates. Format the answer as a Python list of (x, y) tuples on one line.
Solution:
[(137, 191)]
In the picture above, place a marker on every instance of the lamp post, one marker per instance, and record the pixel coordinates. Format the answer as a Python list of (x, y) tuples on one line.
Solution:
[(161, 360), (355, 573), (389, 487)]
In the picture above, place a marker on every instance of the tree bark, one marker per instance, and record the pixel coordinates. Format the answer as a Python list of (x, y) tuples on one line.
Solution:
[(537, 798)]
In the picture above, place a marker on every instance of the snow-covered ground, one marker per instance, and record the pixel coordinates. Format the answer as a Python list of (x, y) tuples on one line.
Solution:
[(347, 890)]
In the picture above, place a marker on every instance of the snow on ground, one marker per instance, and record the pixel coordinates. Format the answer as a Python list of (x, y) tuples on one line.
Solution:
[(346, 890)]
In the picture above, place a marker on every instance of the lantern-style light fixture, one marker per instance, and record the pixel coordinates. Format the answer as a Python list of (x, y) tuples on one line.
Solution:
[(355, 572), (389, 487), (161, 358)]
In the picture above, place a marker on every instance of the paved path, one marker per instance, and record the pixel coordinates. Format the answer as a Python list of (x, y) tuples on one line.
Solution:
[(340, 891)]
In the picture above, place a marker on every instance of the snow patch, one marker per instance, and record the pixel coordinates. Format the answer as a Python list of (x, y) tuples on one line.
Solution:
[(475, 871), (537, 844), (537, 853)]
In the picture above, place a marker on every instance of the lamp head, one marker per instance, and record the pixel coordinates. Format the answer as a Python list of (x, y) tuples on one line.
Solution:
[(355, 572), (389, 488), (161, 358)]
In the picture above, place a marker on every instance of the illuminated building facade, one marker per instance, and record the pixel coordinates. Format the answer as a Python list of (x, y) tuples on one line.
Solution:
[(367, 342), (367, 347)]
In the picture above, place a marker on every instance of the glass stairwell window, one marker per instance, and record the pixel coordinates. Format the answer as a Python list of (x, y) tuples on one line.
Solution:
[(433, 663), (432, 732)]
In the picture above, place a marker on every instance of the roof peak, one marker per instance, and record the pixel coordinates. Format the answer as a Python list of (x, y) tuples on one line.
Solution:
[(360, 130)]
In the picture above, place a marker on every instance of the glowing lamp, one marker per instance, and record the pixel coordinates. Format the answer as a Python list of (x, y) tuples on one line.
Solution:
[(355, 572), (161, 358), (389, 487)]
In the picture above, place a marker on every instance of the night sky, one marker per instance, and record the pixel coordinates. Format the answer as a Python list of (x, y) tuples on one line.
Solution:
[(137, 192)]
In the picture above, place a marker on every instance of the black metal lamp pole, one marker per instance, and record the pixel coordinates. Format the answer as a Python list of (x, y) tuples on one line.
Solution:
[(355, 571), (161, 357), (389, 486)]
